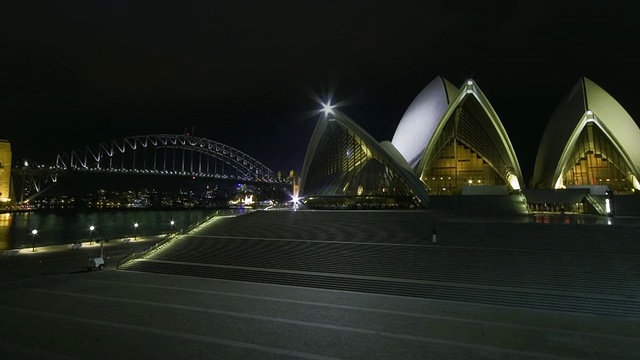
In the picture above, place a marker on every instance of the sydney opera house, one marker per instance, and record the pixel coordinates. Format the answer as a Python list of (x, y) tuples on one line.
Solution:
[(450, 149)]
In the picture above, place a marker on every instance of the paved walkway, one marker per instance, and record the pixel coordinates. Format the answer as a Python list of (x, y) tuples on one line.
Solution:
[(336, 285), (65, 258)]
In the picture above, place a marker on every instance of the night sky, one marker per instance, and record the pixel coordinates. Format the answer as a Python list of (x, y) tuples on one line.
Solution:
[(247, 74)]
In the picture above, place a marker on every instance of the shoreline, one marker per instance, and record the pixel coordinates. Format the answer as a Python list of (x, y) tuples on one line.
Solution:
[(67, 227), (93, 209), (84, 245)]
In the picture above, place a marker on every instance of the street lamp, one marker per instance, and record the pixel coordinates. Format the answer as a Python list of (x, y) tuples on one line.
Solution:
[(34, 232), (135, 231), (91, 228), (171, 223)]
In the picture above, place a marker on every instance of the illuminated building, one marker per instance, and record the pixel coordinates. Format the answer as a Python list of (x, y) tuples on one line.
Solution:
[(589, 141), (451, 142), (5, 170), (345, 167), (467, 149)]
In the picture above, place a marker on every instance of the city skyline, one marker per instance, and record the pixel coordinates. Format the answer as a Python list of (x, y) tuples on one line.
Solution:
[(75, 75)]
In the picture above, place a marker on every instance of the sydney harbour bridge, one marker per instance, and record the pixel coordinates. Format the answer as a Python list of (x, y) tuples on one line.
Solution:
[(151, 155)]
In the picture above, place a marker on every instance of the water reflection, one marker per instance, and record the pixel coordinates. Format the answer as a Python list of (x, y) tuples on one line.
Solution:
[(5, 220), (548, 218), (67, 227)]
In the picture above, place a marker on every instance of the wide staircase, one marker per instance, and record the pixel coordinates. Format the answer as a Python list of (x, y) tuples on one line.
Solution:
[(512, 261)]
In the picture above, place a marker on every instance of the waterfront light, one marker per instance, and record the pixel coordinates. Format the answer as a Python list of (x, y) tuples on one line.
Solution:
[(91, 228), (135, 231), (171, 223), (34, 232)]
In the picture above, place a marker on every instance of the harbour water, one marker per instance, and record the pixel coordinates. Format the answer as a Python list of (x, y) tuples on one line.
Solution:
[(69, 226)]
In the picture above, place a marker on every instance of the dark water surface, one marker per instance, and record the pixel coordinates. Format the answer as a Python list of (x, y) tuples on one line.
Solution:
[(68, 226)]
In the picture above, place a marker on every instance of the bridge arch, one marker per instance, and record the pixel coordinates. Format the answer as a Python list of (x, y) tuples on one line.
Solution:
[(166, 154)]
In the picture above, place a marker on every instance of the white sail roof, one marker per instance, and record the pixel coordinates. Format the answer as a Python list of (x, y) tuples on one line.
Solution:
[(421, 118), (586, 102)]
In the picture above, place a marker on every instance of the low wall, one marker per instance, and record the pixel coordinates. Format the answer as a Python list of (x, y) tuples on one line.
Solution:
[(626, 205)]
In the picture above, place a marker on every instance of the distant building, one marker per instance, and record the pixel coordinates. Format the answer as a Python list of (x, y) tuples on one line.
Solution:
[(5, 171)]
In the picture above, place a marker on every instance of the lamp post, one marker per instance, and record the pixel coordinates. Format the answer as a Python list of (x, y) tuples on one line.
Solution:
[(171, 223), (91, 228), (34, 232), (135, 231)]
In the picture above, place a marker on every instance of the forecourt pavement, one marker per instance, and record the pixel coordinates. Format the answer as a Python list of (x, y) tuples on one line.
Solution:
[(339, 285)]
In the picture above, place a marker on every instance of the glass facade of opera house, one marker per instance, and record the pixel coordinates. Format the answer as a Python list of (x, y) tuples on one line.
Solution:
[(348, 169), (451, 142)]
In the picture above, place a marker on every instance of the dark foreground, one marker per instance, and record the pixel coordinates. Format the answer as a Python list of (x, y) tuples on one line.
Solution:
[(337, 285)]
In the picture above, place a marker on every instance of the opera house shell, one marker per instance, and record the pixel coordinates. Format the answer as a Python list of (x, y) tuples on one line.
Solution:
[(467, 149), (450, 141), (345, 167), (590, 140), (420, 120)]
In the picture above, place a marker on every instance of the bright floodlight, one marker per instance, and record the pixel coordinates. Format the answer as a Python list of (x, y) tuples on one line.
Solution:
[(34, 231), (327, 108), (513, 181)]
